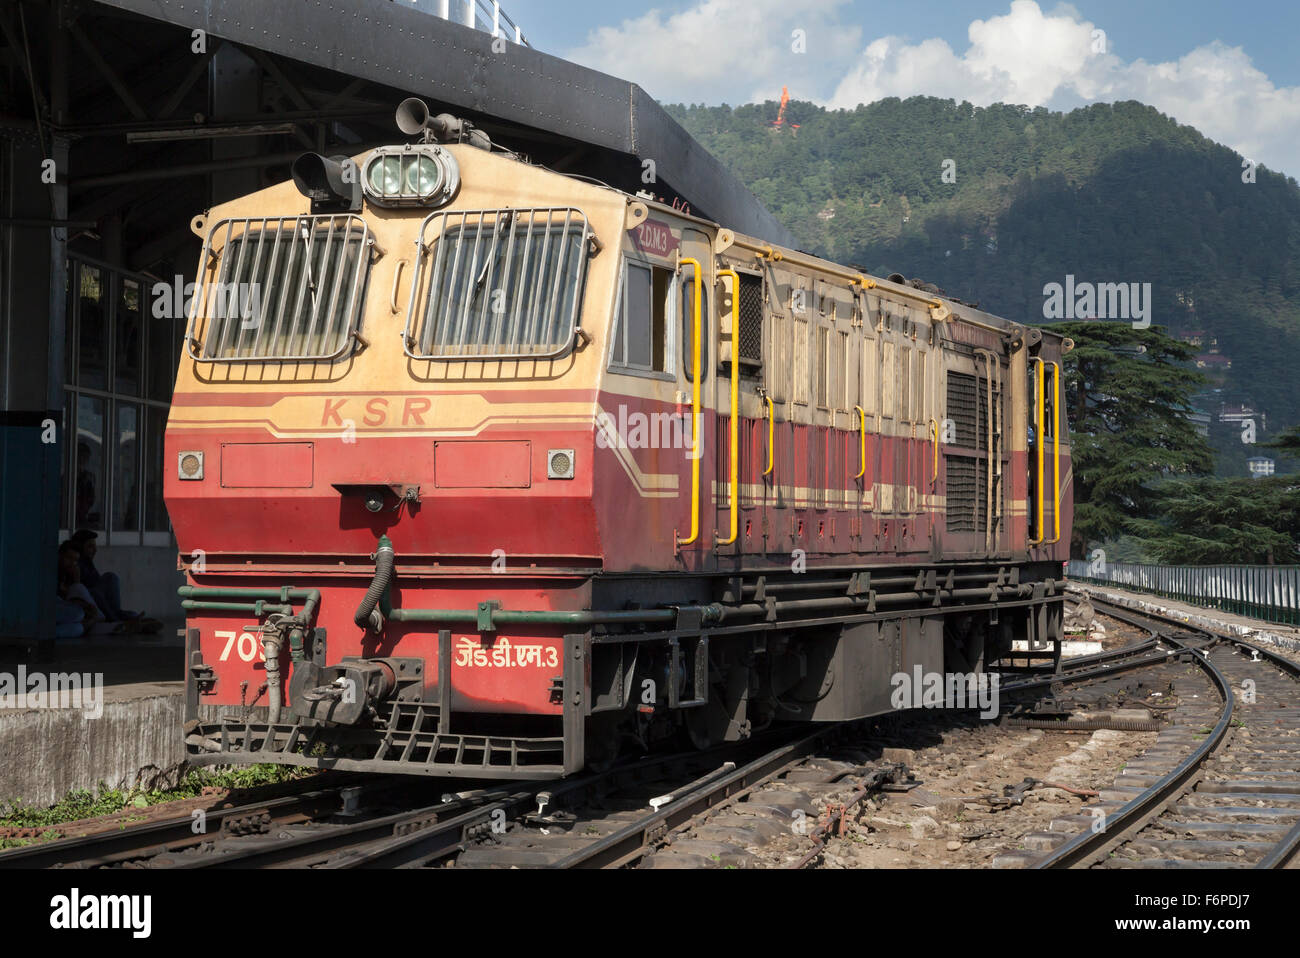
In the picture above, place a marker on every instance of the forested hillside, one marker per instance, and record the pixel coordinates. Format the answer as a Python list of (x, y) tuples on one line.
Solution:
[(1108, 194)]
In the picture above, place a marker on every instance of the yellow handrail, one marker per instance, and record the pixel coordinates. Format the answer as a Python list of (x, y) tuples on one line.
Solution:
[(734, 458), (862, 434), (1056, 451), (697, 442), (1038, 441), (934, 430), (771, 436)]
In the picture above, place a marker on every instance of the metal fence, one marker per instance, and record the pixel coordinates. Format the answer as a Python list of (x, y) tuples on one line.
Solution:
[(484, 15), (1270, 592)]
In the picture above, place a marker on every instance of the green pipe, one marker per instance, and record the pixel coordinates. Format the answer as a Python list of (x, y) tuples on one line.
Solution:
[(258, 608), (284, 594), (537, 617), (433, 615), (201, 599)]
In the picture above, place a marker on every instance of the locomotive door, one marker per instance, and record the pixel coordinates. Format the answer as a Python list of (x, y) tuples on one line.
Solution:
[(741, 411), (697, 246), (1044, 458)]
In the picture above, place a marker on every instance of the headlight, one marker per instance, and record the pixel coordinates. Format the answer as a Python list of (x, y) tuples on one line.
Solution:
[(422, 176), (385, 176), (413, 175)]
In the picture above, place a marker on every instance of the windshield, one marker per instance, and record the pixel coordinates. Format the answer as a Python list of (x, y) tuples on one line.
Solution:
[(288, 288), (499, 283)]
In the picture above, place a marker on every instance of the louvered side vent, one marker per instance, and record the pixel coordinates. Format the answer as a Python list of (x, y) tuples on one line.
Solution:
[(966, 478), (968, 408), (963, 409), (750, 309)]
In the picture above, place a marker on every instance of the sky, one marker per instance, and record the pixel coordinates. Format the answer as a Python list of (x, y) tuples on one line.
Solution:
[(1230, 69)]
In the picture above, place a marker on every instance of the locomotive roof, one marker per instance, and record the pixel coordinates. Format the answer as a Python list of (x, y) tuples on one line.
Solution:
[(959, 310)]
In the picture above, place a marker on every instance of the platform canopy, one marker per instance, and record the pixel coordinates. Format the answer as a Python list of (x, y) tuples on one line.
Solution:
[(329, 76)]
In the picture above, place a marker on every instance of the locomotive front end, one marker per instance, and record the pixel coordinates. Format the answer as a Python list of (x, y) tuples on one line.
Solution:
[(382, 433)]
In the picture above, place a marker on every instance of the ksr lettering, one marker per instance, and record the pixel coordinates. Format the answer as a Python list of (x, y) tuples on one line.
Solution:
[(376, 412)]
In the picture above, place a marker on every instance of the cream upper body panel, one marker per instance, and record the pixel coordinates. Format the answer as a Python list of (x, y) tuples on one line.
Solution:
[(488, 182)]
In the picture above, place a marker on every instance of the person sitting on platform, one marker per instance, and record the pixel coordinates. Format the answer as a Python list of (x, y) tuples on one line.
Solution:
[(106, 587), (102, 606), (76, 613)]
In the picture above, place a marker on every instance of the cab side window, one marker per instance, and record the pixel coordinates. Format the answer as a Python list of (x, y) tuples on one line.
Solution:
[(641, 340), (688, 328)]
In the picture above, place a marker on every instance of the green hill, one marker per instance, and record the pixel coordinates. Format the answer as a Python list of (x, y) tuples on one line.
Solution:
[(1109, 193)]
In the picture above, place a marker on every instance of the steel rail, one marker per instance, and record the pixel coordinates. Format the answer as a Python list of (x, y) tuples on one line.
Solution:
[(415, 837), (1288, 846), (156, 837), (427, 827), (1088, 847), (1086, 668), (639, 838)]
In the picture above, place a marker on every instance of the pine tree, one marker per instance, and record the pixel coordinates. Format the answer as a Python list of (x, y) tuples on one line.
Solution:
[(1128, 415)]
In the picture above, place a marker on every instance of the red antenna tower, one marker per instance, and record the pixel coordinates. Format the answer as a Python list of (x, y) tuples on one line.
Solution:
[(780, 114)]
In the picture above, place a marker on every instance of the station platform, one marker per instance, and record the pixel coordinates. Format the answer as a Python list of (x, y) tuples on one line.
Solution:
[(105, 709), (1252, 630)]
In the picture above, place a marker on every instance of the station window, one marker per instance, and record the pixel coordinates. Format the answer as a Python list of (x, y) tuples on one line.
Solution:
[(123, 349), (641, 339)]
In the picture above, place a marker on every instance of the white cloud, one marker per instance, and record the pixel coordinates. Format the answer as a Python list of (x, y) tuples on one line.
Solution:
[(1021, 57), (1028, 56), (1217, 89), (736, 50), (740, 51)]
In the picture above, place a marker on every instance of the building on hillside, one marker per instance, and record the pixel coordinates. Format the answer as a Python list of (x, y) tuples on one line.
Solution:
[(1213, 361), (1242, 413), (1260, 466)]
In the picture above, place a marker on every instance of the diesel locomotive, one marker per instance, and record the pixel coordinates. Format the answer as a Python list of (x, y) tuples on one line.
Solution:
[(481, 470)]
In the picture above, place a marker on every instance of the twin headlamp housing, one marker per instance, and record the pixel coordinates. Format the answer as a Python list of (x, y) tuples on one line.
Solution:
[(416, 174)]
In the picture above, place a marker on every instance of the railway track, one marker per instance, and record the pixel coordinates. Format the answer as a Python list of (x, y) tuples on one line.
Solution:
[(610, 818), (1216, 788), (160, 838), (1219, 788)]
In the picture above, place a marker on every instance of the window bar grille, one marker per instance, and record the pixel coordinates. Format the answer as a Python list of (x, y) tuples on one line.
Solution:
[(449, 330), (499, 317), (241, 301), (538, 280), (276, 331), (516, 337)]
